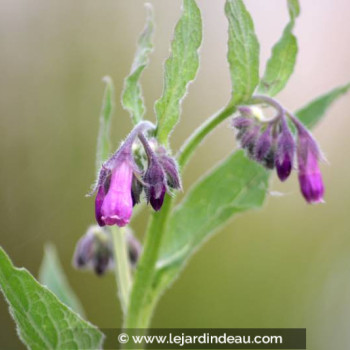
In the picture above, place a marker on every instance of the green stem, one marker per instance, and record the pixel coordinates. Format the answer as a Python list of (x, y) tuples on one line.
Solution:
[(141, 302), (199, 134), (122, 266), (139, 312)]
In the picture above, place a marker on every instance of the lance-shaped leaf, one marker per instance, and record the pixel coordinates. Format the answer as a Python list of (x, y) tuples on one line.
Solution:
[(52, 276), (243, 51), (180, 68), (236, 185), (132, 99), (313, 112), (103, 139), (43, 322), (281, 64)]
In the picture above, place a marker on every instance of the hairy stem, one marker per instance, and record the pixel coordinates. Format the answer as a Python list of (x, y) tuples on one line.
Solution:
[(141, 303), (200, 133), (122, 266), (139, 312)]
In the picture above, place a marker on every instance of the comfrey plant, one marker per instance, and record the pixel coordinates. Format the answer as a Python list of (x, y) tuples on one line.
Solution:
[(145, 170)]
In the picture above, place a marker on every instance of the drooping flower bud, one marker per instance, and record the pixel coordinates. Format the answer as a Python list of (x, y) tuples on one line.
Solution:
[(310, 178), (263, 144), (154, 177), (285, 152), (93, 251), (171, 170), (242, 122), (155, 185), (249, 139)]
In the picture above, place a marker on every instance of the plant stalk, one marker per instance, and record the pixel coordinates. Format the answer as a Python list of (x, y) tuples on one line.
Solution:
[(122, 266), (200, 133), (139, 313)]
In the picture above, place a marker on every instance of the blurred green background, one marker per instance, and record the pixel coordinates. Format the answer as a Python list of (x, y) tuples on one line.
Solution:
[(287, 265)]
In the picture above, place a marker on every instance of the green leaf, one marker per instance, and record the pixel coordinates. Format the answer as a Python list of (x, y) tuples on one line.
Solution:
[(43, 322), (312, 113), (103, 139), (243, 51), (281, 64), (294, 8), (236, 185), (51, 275), (132, 99), (180, 68)]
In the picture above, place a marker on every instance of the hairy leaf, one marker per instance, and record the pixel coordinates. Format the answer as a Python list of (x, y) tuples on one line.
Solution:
[(52, 276), (103, 139), (132, 99), (243, 51), (312, 113), (281, 64), (180, 69), (236, 185), (43, 322)]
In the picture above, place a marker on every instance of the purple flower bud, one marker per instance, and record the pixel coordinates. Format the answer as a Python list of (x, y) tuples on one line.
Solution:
[(249, 139), (310, 178), (154, 177), (84, 250), (246, 111), (155, 188), (93, 251), (242, 122), (285, 152), (171, 170), (117, 204), (263, 144), (101, 261)]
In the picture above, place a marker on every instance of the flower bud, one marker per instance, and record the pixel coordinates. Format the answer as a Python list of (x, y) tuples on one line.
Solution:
[(155, 186), (249, 139), (263, 144), (242, 122), (285, 152), (171, 170), (93, 251), (310, 178)]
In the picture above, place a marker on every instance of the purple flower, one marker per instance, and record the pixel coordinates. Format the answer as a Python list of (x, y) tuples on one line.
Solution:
[(93, 251), (242, 122), (117, 203), (171, 170), (118, 189), (310, 178), (155, 185), (285, 152), (263, 144), (154, 177)]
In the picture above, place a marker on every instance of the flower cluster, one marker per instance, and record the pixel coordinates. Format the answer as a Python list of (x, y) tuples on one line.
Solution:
[(271, 143), (94, 251), (124, 176)]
